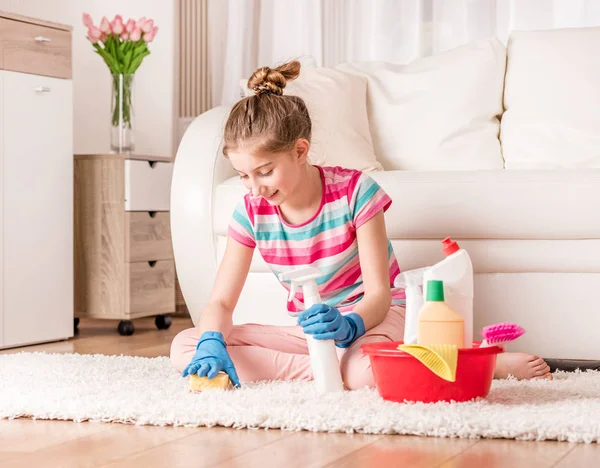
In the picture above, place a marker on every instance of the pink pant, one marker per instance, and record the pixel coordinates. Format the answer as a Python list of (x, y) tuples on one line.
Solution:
[(265, 352)]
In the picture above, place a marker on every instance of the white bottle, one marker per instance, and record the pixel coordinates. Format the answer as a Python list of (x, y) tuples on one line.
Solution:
[(411, 281), (323, 355), (456, 271)]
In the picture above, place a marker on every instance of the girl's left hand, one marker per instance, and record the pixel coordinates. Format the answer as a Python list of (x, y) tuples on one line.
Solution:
[(327, 323)]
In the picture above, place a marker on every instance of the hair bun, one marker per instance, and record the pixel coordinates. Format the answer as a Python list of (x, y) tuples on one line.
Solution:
[(266, 80), (268, 87)]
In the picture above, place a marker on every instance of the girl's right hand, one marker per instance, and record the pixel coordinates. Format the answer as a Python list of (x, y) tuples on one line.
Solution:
[(212, 357)]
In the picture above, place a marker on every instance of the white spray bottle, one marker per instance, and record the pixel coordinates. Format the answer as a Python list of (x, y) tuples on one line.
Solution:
[(411, 281), (323, 356), (456, 271)]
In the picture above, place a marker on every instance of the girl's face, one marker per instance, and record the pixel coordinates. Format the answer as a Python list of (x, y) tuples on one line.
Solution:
[(273, 176)]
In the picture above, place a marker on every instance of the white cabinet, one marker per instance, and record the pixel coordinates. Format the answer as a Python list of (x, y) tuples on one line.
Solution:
[(38, 208), (36, 182)]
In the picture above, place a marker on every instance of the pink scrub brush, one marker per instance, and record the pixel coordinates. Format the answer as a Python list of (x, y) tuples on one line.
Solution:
[(497, 335)]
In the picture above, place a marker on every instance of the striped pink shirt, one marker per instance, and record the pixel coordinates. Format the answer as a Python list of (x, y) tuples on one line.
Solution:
[(327, 241)]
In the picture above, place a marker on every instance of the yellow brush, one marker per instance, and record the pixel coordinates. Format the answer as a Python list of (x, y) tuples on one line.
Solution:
[(440, 359), (200, 384)]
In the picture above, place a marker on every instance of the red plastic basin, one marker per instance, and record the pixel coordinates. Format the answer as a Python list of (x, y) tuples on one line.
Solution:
[(401, 377)]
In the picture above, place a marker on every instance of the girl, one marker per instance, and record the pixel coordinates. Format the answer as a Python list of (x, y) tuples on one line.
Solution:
[(297, 215)]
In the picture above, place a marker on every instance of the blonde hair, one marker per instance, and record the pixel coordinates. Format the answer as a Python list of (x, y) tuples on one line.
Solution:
[(268, 119)]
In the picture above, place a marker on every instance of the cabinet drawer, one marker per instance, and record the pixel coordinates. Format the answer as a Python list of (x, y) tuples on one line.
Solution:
[(35, 49), (149, 288), (147, 185), (148, 236)]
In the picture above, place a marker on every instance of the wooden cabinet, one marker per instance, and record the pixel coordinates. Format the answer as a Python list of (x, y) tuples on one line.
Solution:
[(124, 266), (36, 160)]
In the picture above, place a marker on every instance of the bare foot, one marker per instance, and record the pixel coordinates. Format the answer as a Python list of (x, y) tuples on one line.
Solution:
[(522, 366)]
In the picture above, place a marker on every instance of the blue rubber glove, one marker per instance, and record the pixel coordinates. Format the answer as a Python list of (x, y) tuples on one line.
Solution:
[(327, 323), (212, 357)]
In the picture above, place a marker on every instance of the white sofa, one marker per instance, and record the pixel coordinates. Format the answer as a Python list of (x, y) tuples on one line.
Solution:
[(497, 147)]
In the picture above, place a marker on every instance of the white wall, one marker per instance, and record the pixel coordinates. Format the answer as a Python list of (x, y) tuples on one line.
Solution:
[(155, 93)]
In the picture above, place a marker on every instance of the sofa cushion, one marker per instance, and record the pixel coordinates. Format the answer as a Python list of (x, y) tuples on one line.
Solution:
[(473, 204), (552, 96), (439, 112), (493, 204), (336, 102)]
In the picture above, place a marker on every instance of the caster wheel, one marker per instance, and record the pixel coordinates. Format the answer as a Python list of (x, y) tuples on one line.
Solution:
[(126, 328), (162, 322), (76, 325)]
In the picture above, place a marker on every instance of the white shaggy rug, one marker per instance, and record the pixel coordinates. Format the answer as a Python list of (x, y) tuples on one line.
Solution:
[(140, 390)]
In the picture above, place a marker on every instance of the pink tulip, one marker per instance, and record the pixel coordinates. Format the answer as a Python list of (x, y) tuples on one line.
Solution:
[(103, 37), (105, 25), (136, 34), (130, 26), (147, 27), (87, 20), (142, 21), (94, 34), (149, 37), (117, 27), (125, 35)]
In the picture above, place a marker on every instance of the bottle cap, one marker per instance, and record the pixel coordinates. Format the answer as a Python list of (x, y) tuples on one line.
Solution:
[(449, 246), (435, 291)]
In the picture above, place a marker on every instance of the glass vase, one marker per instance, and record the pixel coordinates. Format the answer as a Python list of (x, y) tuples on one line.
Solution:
[(122, 114)]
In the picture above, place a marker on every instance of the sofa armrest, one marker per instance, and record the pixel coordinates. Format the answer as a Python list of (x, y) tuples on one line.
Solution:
[(198, 169)]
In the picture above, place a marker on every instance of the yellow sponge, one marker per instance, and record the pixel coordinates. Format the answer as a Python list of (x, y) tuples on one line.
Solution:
[(199, 384)]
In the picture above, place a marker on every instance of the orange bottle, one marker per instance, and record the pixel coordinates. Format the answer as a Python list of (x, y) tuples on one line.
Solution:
[(438, 323)]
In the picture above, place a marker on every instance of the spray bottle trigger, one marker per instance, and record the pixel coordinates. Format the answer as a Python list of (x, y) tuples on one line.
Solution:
[(292, 291)]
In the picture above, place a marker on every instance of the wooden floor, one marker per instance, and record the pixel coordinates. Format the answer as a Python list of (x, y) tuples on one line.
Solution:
[(26, 443)]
